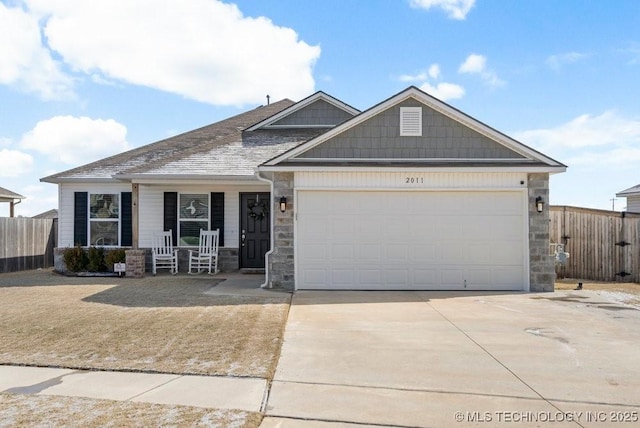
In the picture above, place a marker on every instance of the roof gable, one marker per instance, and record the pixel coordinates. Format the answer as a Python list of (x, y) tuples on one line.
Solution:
[(319, 110), (448, 137)]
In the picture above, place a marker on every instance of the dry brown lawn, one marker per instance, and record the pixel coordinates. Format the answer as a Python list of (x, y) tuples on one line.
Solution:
[(18, 410), (157, 324), (626, 292)]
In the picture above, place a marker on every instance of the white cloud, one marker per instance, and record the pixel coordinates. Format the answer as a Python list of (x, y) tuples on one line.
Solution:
[(602, 152), (14, 163), (622, 156), (558, 60), (443, 91), (434, 71), (473, 64), (477, 64), (25, 62), (201, 49), (456, 9), (76, 140), (419, 77), (607, 129), (590, 141)]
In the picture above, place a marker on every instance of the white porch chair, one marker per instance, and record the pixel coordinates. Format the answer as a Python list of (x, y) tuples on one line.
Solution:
[(164, 256), (206, 257)]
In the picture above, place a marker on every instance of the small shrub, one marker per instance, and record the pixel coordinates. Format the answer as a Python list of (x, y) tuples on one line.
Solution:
[(115, 256), (76, 259), (96, 260)]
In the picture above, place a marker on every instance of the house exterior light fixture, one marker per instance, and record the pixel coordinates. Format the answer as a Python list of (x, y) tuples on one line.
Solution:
[(283, 204), (539, 204)]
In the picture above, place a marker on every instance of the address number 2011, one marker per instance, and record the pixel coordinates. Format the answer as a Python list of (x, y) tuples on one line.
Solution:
[(414, 180)]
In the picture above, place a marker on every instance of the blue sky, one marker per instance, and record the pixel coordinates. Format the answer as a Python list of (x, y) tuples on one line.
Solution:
[(83, 80)]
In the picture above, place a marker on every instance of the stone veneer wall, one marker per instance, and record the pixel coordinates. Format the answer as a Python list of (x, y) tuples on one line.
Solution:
[(541, 265), (281, 263)]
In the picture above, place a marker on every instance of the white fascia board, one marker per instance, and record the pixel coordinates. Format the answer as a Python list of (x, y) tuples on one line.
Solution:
[(301, 104), (426, 168), (434, 103)]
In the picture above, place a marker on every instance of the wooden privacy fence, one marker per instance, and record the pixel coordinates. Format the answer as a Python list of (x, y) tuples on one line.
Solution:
[(26, 243), (603, 245)]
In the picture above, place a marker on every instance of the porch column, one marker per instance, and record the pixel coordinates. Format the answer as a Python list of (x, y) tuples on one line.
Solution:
[(134, 216)]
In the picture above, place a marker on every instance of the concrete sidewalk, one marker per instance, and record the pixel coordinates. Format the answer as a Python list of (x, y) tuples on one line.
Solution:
[(199, 391)]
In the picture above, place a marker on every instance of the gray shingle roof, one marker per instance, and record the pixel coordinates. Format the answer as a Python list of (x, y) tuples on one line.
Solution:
[(635, 190), (218, 149)]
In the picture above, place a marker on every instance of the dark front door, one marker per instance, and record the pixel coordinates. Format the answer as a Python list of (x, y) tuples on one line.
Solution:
[(255, 212)]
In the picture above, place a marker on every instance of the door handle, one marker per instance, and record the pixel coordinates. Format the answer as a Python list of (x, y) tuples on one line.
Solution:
[(243, 237)]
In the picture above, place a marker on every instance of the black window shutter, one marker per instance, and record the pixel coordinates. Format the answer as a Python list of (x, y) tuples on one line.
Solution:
[(217, 214), (171, 214), (80, 213), (126, 222)]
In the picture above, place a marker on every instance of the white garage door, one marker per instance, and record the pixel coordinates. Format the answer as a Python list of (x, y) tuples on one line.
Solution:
[(410, 240)]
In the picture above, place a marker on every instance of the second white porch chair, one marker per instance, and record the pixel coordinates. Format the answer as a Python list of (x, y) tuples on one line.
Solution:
[(163, 255), (206, 257)]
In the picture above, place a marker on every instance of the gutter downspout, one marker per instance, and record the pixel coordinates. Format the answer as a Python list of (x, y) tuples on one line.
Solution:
[(268, 253), (12, 205)]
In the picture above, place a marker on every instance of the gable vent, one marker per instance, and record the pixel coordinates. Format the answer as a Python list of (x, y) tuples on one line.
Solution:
[(411, 121)]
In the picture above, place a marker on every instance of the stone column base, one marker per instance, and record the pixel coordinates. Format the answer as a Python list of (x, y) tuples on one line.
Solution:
[(135, 263)]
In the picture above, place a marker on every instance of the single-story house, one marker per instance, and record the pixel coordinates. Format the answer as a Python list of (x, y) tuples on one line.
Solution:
[(633, 198), (411, 194), (13, 198)]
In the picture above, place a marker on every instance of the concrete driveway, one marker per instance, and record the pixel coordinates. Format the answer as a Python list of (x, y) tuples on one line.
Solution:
[(569, 358)]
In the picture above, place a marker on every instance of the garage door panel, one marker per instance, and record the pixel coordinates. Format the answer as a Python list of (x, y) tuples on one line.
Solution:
[(395, 278), (422, 254), (343, 252), (342, 277), (411, 240), (370, 277), (370, 253), (425, 277), (396, 252), (314, 253)]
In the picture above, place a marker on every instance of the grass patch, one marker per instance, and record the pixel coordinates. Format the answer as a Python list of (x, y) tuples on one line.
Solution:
[(158, 324), (626, 292), (42, 410)]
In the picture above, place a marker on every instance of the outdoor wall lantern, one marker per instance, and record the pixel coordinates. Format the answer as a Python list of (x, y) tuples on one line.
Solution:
[(539, 204), (283, 204)]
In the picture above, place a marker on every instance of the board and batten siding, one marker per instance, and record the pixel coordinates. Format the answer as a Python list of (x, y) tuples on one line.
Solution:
[(66, 206), (151, 206), (409, 180)]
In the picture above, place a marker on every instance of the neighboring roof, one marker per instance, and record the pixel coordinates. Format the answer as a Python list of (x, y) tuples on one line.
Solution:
[(272, 122), (631, 191), (7, 195), (220, 149), (528, 157), (47, 214)]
